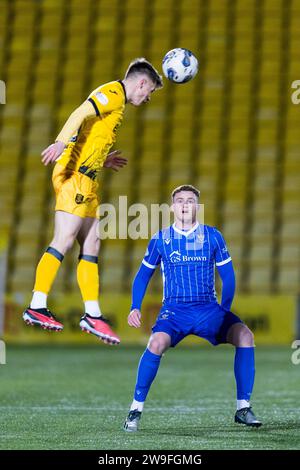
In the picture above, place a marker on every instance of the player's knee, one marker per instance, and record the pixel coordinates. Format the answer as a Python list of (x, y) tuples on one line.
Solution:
[(90, 246), (246, 337), (97, 245), (63, 243), (94, 246), (69, 241), (157, 345)]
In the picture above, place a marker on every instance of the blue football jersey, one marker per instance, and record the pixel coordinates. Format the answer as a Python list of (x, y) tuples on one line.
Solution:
[(187, 260)]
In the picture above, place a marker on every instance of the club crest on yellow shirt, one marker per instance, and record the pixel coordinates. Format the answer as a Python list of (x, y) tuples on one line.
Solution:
[(79, 198)]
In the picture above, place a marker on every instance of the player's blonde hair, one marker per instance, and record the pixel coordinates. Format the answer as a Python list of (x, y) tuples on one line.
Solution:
[(142, 66)]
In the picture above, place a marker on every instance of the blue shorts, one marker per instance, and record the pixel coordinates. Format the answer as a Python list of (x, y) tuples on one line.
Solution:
[(209, 321)]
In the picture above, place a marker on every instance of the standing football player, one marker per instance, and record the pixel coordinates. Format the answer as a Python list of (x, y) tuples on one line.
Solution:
[(80, 151), (188, 253)]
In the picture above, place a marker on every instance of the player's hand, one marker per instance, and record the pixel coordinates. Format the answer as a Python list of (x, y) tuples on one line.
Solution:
[(51, 153), (134, 318), (115, 161)]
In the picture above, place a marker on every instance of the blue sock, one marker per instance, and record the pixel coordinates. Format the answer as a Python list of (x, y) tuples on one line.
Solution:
[(147, 371), (244, 371)]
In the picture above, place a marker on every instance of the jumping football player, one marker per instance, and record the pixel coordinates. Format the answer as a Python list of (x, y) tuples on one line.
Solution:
[(80, 151), (188, 253)]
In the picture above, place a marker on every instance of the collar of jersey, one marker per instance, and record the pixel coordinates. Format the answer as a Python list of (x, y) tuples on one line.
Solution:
[(182, 232), (123, 88)]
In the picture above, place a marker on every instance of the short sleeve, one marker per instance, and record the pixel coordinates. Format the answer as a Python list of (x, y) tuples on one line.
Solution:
[(152, 256), (107, 98), (222, 255)]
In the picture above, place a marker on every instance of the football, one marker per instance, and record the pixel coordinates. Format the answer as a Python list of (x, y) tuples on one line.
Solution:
[(180, 65)]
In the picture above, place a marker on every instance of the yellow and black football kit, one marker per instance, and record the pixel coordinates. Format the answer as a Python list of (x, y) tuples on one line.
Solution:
[(76, 170)]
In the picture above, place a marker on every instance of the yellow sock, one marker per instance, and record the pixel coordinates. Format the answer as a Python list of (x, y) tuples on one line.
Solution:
[(47, 269), (88, 277)]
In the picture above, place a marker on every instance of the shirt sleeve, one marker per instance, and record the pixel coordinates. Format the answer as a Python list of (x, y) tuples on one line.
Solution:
[(152, 256), (227, 276), (106, 99), (139, 286), (221, 252)]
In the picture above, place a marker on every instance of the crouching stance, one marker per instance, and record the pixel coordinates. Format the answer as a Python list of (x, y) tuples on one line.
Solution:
[(188, 253)]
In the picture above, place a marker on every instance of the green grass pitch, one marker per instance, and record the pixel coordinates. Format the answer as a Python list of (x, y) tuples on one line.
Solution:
[(55, 397)]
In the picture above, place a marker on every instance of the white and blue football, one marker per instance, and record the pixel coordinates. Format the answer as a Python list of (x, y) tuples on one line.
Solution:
[(180, 65)]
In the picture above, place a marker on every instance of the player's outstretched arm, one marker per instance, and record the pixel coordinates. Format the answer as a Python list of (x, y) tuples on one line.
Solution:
[(51, 153)]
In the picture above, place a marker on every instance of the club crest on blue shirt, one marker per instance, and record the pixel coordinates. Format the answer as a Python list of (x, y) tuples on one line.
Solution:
[(165, 315)]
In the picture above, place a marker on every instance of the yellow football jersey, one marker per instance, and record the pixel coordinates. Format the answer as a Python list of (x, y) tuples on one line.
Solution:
[(87, 150)]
